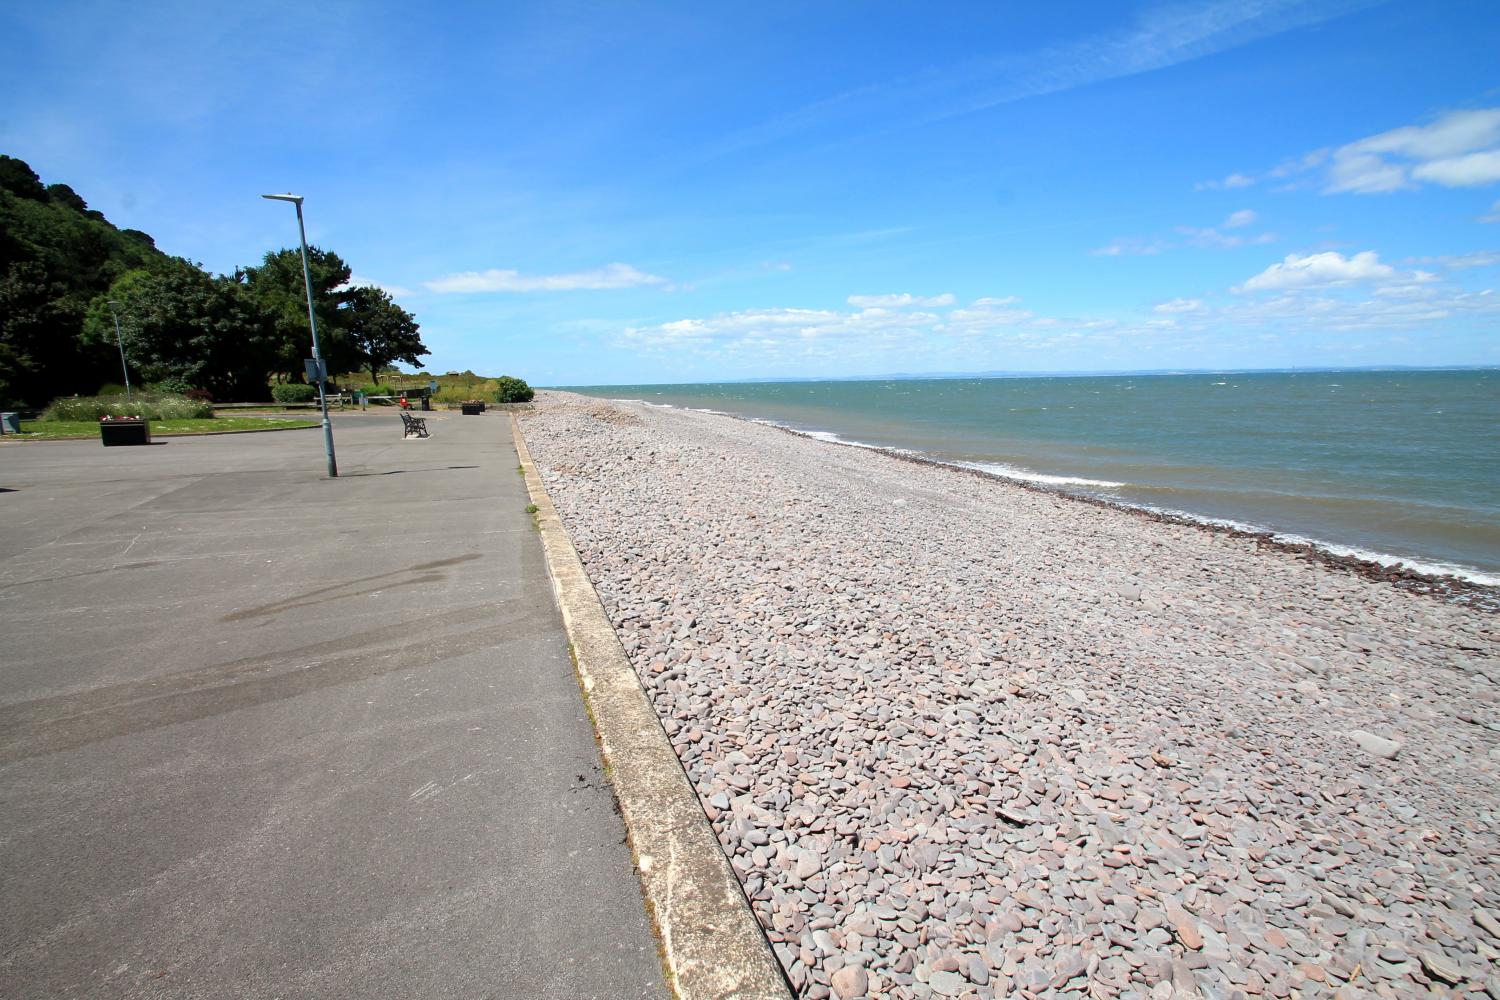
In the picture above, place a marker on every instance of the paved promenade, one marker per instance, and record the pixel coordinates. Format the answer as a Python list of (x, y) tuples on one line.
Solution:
[(266, 734)]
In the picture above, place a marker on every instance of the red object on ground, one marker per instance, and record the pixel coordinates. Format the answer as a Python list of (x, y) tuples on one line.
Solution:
[(404, 404)]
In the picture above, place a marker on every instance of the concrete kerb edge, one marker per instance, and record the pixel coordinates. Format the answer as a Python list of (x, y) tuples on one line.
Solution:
[(711, 944)]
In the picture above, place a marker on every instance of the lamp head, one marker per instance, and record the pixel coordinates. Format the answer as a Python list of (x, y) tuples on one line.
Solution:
[(295, 199)]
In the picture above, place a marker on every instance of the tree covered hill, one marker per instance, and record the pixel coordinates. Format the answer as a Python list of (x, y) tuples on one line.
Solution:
[(61, 263)]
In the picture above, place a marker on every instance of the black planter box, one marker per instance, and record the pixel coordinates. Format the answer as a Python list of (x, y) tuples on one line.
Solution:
[(122, 432), (472, 409)]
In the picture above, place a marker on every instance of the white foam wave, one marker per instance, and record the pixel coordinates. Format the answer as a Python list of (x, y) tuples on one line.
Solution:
[(1387, 559), (1026, 475), (1425, 567)]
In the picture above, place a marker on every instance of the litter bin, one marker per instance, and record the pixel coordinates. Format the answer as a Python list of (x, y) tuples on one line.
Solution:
[(10, 423)]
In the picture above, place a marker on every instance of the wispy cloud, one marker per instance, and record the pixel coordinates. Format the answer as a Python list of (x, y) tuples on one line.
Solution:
[(1179, 306), (1460, 262), (1457, 149), (610, 276), (1125, 246), (1203, 237), (899, 301), (1231, 182), (1322, 270), (1211, 239), (394, 291), (1156, 39)]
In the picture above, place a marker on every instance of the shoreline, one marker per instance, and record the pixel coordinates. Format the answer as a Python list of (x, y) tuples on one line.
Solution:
[(1448, 587), (957, 740), (1444, 586)]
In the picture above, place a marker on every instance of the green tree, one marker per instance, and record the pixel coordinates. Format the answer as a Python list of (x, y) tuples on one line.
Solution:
[(179, 323), (280, 294), (378, 332), (56, 256)]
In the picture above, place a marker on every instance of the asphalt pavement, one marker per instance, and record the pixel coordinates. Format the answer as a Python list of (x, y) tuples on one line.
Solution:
[(269, 734)]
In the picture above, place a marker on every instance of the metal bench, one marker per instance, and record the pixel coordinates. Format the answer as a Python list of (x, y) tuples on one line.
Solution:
[(413, 425)]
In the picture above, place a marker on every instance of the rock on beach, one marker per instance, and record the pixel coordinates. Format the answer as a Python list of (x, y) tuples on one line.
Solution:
[(960, 738)]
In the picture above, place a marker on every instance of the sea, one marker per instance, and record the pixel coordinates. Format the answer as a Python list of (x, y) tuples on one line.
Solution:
[(1393, 466)]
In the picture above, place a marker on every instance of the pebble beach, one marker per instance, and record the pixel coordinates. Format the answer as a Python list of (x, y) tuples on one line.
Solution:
[(961, 738)]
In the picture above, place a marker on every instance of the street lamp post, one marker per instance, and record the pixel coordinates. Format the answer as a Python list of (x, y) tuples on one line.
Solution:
[(120, 342), (312, 320)]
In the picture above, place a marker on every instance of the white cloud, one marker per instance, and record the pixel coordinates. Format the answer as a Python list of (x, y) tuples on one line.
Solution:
[(1453, 134), (1457, 150), (899, 301), (1206, 237), (1494, 215), (988, 315), (608, 277), (1179, 306), (1319, 295), (1230, 183), (783, 330), (1322, 270), (1459, 262), (1214, 240), (1125, 247), (1471, 170), (1364, 173), (358, 281)]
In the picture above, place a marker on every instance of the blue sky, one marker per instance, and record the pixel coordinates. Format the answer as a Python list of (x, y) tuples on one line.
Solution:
[(622, 192)]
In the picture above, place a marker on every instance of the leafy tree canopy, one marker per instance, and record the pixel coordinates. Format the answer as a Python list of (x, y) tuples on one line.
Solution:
[(56, 256), (180, 324), (280, 292), (379, 332)]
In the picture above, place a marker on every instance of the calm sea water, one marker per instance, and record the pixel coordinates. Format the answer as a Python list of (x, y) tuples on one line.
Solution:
[(1403, 466)]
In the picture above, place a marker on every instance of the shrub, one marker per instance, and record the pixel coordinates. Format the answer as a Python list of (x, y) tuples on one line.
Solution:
[(172, 385), (151, 406), (512, 390), (201, 395), (294, 392)]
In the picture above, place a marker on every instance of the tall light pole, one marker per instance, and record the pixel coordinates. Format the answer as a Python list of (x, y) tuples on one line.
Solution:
[(120, 342), (312, 320)]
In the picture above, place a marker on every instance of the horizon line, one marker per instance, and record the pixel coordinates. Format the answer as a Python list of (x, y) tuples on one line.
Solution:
[(1060, 373)]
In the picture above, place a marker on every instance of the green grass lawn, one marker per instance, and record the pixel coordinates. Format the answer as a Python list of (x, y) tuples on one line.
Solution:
[(58, 430)]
